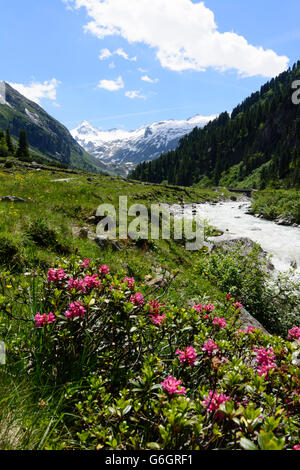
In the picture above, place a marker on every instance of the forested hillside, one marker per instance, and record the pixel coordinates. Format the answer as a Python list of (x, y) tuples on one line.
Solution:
[(257, 146)]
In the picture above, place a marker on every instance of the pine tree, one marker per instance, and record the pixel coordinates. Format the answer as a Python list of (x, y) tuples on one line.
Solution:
[(9, 141), (23, 148)]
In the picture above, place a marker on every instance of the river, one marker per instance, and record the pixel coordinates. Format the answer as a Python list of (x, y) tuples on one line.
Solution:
[(283, 243)]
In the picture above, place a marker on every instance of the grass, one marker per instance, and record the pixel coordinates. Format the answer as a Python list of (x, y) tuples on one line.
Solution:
[(279, 204)]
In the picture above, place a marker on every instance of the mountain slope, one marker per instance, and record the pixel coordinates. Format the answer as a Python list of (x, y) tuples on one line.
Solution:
[(45, 134), (119, 147), (258, 145)]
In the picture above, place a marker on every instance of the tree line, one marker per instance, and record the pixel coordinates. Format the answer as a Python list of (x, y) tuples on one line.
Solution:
[(261, 135)]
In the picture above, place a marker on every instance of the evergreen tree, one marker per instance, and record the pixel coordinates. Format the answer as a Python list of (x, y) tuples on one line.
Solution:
[(23, 148), (9, 141)]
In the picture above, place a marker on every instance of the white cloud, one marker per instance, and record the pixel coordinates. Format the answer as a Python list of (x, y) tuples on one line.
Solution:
[(112, 85), (104, 54), (184, 35), (145, 78), (37, 91), (134, 94)]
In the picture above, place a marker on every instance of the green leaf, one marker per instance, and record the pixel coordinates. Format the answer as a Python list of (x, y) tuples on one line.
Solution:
[(246, 444)]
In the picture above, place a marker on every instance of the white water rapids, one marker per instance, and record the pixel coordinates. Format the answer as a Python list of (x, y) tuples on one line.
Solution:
[(283, 243)]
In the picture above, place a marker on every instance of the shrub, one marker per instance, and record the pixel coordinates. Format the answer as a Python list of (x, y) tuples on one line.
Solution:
[(46, 237)]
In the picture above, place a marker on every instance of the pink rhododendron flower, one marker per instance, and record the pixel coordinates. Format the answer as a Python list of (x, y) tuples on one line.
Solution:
[(104, 269), (85, 264), (296, 447), (42, 320), (294, 333), (158, 319), (56, 275), (210, 347), (238, 305), (154, 307), (249, 330), (76, 309), (92, 281), (137, 299), (78, 284), (198, 308), (214, 401), (189, 355), (221, 322), (209, 308), (172, 386), (265, 361), (130, 281)]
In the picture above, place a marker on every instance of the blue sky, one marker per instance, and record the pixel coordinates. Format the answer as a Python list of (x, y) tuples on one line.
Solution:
[(140, 61)]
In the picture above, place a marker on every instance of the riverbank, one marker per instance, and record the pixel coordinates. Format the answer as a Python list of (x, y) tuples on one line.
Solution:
[(281, 206)]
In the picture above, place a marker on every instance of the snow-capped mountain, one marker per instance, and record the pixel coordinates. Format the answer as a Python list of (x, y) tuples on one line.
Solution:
[(119, 148)]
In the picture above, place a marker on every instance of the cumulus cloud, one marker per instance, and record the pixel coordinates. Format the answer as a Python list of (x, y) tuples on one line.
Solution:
[(106, 53), (112, 85), (134, 94), (145, 78), (37, 91), (184, 35)]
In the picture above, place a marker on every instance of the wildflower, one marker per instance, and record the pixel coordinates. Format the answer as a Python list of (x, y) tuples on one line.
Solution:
[(198, 308), (91, 281), (228, 297), (130, 281), (238, 305), (172, 386), (85, 264), (42, 320), (214, 401), (209, 308), (249, 330), (210, 347), (154, 307), (78, 284), (137, 299), (189, 355), (158, 319), (56, 275), (296, 447), (294, 333), (221, 322), (104, 269), (264, 359), (76, 309)]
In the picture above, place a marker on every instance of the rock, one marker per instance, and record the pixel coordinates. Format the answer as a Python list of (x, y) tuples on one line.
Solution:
[(233, 198), (148, 278), (13, 199), (248, 320), (294, 264), (104, 243)]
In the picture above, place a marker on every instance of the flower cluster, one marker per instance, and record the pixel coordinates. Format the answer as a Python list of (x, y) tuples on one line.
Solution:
[(129, 280), (250, 329), (154, 312), (294, 333), (103, 269), (56, 275), (221, 322), (214, 401), (172, 386), (189, 355), (210, 347), (75, 309), (265, 361), (85, 264), (43, 320), (137, 299)]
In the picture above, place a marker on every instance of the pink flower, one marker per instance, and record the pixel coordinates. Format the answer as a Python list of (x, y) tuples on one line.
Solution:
[(294, 333), (198, 308), (154, 307), (76, 309), (130, 281), (209, 308), (104, 269), (137, 299), (78, 284), (248, 331), (238, 305), (189, 355), (42, 320), (56, 275), (172, 386), (210, 347), (265, 361), (158, 319), (296, 447), (85, 264), (214, 401), (221, 322), (91, 281)]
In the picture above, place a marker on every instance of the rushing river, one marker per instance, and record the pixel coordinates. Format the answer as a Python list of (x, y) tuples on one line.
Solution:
[(283, 243)]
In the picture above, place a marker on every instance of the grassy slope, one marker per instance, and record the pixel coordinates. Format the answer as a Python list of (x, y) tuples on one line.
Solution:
[(279, 204)]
